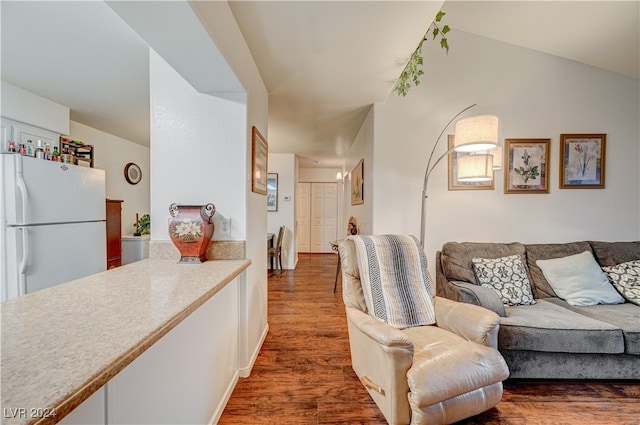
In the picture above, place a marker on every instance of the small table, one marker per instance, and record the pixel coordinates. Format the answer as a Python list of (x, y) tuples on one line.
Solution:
[(334, 246)]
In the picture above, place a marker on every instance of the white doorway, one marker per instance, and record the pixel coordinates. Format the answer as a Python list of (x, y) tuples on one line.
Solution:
[(317, 216)]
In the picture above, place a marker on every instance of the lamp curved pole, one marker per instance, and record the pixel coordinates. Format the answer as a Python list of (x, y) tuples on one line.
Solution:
[(430, 168)]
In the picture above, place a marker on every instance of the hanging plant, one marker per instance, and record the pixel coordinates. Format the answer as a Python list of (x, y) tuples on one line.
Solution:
[(413, 70)]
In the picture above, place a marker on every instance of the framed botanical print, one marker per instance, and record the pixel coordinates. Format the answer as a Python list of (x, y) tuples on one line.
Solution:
[(357, 184), (258, 162), (526, 165), (454, 183), (272, 192), (582, 161)]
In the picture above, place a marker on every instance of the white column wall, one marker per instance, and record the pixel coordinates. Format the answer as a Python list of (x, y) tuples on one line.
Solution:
[(197, 144), (535, 95), (362, 148)]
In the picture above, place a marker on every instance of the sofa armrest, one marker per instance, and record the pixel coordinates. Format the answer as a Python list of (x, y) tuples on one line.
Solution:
[(381, 355), (479, 295), (470, 321)]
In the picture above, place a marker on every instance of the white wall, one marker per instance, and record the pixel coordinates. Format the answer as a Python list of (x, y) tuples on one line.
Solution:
[(535, 96), (284, 164), (362, 148), (111, 153), (21, 105)]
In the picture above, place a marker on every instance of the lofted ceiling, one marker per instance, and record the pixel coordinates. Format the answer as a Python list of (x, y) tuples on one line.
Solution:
[(323, 63)]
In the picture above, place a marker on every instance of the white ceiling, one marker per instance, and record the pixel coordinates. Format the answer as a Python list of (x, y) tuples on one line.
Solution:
[(323, 63)]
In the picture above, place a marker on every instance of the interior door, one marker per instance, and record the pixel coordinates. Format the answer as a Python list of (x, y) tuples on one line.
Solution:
[(330, 225), (317, 217), (304, 217)]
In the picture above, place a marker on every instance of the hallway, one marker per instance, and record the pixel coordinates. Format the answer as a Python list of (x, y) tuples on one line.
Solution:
[(303, 374)]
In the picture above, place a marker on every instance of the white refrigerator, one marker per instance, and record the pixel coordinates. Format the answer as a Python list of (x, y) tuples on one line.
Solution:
[(53, 223)]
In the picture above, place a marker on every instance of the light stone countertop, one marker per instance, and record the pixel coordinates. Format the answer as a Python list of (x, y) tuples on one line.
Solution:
[(61, 344)]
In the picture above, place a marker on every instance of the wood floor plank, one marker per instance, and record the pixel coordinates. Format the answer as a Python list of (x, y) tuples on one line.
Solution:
[(303, 374)]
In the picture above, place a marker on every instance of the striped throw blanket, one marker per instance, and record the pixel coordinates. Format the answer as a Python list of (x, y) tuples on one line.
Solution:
[(394, 278)]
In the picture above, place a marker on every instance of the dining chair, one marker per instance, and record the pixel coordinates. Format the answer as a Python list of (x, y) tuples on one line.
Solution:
[(276, 251)]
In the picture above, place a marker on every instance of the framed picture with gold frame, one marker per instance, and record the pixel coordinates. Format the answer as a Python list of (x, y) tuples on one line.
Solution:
[(582, 160), (454, 183), (357, 184), (526, 165), (259, 168)]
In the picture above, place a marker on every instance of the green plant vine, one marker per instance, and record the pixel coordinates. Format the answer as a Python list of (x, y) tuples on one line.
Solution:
[(413, 70)]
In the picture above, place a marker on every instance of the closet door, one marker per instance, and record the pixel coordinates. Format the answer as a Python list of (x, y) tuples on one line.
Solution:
[(304, 217), (317, 217), (330, 224)]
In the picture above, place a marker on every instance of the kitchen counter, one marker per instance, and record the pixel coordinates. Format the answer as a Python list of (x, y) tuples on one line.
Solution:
[(62, 344)]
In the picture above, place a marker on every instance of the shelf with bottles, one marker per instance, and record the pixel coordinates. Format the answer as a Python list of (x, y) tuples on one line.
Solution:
[(82, 153)]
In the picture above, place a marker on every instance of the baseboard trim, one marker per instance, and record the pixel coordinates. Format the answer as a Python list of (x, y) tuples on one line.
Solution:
[(246, 371), (217, 414)]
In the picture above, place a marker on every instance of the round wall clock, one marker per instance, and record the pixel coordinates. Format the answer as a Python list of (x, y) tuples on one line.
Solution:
[(132, 173)]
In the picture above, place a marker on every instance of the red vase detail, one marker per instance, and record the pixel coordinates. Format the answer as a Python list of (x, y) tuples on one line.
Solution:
[(190, 230)]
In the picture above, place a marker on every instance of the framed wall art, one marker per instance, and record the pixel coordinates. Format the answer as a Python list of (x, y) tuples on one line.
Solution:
[(454, 183), (272, 192), (526, 165), (357, 184), (582, 161), (259, 152)]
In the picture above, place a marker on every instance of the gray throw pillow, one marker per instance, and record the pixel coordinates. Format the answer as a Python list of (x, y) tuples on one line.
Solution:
[(625, 278), (507, 276)]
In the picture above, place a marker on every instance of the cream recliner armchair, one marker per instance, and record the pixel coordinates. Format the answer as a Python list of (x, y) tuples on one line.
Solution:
[(427, 374)]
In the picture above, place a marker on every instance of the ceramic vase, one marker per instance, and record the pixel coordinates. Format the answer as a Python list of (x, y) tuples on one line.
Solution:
[(190, 230)]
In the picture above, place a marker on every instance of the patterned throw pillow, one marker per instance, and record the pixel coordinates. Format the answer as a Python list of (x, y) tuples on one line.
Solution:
[(625, 278), (507, 276)]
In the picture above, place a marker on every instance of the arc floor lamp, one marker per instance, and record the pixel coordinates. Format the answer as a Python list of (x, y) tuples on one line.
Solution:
[(476, 134)]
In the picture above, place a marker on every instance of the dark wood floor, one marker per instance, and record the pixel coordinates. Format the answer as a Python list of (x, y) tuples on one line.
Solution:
[(303, 374)]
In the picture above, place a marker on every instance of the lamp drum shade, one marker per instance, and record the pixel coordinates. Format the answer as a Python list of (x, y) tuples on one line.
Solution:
[(476, 133), (475, 168)]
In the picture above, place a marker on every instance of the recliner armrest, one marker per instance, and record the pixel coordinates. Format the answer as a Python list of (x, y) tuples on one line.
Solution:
[(470, 321), (479, 295), (379, 331)]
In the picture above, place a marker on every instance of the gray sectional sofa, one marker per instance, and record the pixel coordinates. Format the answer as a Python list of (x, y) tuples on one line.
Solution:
[(550, 338)]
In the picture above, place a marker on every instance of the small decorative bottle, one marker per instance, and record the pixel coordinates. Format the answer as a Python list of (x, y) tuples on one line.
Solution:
[(39, 150), (47, 152), (55, 156)]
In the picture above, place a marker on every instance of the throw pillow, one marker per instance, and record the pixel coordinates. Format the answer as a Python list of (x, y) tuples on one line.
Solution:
[(625, 278), (507, 276), (579, 280), (394, 278)]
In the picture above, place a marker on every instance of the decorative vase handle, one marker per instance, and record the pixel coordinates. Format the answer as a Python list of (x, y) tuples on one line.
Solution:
[(173, 209), (210, 210)]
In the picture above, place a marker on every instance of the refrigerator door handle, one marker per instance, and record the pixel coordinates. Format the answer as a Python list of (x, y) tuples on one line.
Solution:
[(22, 267), (22, 188)]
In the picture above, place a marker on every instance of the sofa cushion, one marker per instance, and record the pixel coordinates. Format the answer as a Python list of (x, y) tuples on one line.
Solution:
[(625, 278), (612, 253), (535, 252), (507, 276), (456, 257), (625, 316), (546, 326), (579, 280)]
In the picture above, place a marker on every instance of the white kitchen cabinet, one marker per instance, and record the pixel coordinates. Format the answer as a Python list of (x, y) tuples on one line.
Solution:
[(89, 412), (188, 375)]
